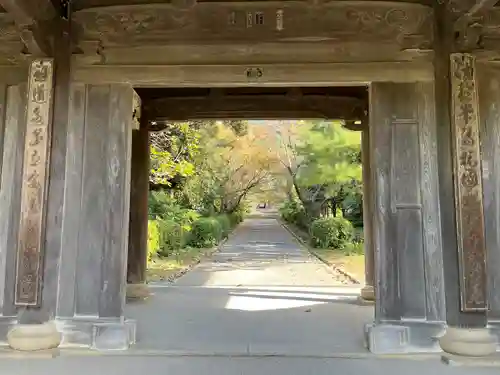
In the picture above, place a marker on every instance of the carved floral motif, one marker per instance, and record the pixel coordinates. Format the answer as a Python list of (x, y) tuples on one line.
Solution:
[(469, 191), (205, 21)]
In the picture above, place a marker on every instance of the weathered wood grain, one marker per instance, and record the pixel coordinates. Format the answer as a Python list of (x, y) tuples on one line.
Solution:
[(10, 192), (273, 74), (92, 234), (117, 159), (405, 208), (139, 192), (72, 201), (433, 257), (489, 97), (386, 255), (3, 108)]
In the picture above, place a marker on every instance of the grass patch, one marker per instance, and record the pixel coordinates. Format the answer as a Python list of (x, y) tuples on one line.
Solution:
[(353, 264), (175, 265), (350, 259)]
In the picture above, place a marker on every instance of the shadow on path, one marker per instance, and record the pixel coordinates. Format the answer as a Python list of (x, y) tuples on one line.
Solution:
[(262, 293)]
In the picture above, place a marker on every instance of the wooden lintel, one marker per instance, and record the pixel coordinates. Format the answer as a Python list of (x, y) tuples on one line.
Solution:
[(290, 75), (256, 106)]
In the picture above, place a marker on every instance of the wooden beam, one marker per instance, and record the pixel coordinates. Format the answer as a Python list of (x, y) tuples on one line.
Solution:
[(32, 18), (28, 12), (477, 7), (256, 106), (291, 75)]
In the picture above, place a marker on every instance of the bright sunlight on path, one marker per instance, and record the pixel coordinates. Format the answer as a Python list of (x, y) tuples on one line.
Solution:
[(261, 294)]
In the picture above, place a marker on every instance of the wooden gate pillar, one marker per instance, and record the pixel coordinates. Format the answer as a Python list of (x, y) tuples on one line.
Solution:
[(367, 293), (138, 227), (409, 309), (461, 195), (489, 99)]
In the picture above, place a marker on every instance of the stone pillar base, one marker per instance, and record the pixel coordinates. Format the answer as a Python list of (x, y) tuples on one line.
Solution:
[(34, 337), (103, 334), (397, 337), (470, 342), (137, 292), (368, 293)]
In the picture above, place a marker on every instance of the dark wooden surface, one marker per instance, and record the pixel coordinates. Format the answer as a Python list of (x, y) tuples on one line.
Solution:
[(10, 192), (117, 201), (444, 46), (257, 106), (139, 192), (71, 224), (402, 181), (489, 97)]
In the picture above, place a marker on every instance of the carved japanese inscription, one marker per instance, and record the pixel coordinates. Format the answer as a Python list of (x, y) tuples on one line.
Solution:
[(468, 189), (30, 243)]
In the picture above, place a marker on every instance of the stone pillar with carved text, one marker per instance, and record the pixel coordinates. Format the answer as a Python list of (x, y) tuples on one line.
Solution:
[(466, 333)]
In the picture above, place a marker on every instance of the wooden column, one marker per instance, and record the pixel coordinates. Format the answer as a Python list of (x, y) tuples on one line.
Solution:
[(409, 310), (461, 194), (139, 190), (489, 97), (367, 292)]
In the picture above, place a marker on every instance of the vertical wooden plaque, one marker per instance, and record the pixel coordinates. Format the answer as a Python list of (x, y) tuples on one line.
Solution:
[(29, 271), (468, 184)]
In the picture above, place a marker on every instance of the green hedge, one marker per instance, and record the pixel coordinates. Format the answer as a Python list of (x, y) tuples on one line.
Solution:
[(172, 237), (153, 239), (206, 232), (293, 212), (334, 232), (225, 223)]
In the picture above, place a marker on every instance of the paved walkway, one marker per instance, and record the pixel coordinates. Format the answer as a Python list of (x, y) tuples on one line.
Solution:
[(261, 294)]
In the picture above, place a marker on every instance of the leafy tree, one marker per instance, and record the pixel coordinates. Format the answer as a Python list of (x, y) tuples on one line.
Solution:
[(323, 163)]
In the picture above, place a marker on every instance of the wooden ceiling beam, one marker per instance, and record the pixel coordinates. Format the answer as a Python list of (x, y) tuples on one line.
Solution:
[(256, 107), (32, 17), (477, 7), (28, 12)]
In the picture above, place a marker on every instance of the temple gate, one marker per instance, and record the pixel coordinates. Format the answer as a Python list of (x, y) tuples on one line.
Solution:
[(82, 82)]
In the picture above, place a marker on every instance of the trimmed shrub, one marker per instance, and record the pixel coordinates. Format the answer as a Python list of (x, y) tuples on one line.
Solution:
[(206, 232), (333, 232), (153, 239), (171, 237), (293, 212), (225, 224), (238, 215)]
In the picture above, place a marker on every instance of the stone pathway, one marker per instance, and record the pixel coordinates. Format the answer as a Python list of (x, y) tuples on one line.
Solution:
[(261, 294)]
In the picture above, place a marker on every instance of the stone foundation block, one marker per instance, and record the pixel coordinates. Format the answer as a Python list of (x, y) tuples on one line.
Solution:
[(34, 337), (98, 334), (403, 337), (476, 342)]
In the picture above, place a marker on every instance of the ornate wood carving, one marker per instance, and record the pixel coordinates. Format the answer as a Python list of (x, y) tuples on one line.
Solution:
[(37, 140), (468, 190), (356, 20)]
